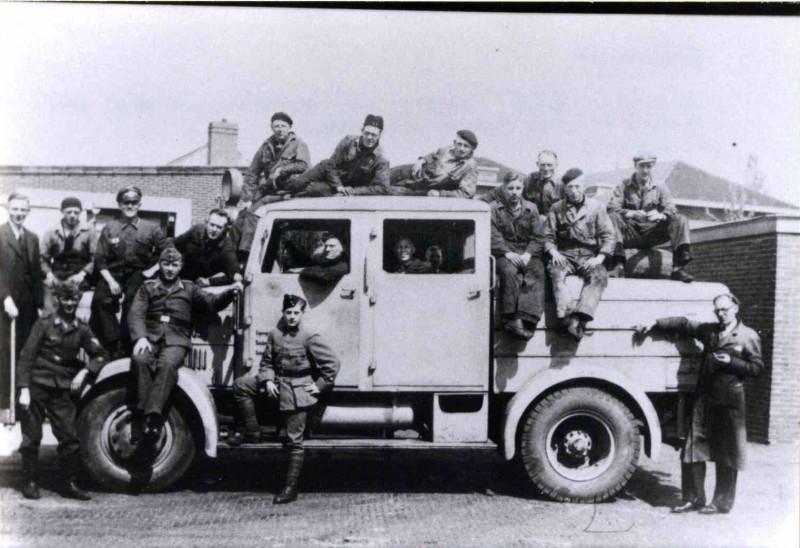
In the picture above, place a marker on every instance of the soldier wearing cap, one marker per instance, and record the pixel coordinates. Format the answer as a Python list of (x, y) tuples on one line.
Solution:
[(644, 215), (127, 252), (67, 250), (49, 370), (296, 366), (357, 167), (281, 156), (579, 237), (449, 172), (160, 321), (542, 188), (209, 254)]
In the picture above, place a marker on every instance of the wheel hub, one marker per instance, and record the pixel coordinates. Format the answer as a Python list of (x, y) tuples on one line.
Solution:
[(577, 443)]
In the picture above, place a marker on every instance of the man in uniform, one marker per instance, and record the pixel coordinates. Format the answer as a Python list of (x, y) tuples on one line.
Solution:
[(67, 250), (297, 365), (126, 252), (450, 171), (541, 187), (282, 155), (331, 262), (20, 286), (517, 242), (207, 251), (578, 237), (160, 321), (49, 369), (357, 167), (731, 353), (404, 261), (644, 215)]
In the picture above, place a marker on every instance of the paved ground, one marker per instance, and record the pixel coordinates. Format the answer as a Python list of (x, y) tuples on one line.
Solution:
[(434, 499)]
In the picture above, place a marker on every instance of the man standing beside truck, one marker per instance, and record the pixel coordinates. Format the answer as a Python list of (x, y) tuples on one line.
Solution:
[(579, 237), (517, 242)]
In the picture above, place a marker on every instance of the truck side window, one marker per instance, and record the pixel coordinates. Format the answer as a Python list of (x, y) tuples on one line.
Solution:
[(423, 246), (298, 243)]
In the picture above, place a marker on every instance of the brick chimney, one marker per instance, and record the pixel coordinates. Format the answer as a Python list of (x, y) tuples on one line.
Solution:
[(223, 144)]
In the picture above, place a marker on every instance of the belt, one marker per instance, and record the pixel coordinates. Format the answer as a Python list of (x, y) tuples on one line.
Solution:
[(163, 318), (293, 373)]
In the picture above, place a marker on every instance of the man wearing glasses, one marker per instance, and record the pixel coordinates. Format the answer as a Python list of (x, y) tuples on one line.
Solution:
[(127, 252)]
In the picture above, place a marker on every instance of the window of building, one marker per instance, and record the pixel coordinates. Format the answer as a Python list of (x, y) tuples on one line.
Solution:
[(297, 243), (422, 246)]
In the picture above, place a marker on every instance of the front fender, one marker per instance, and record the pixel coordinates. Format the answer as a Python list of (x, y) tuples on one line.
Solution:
[(572, 376), (191, 384)]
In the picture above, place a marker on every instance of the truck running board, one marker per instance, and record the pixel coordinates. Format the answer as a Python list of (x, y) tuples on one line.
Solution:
[(362, 445)]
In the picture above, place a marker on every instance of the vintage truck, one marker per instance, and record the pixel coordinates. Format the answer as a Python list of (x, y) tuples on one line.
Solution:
[(423, 366)]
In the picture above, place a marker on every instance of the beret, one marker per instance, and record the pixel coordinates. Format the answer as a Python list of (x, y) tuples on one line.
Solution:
[(290, 301), (282, 116), (468, 136), (71, 202), (170, 254), (128, 189), (644, 157), (374, 121), (571, 175)]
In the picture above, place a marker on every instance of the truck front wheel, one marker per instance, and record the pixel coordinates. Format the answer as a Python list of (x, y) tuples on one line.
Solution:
[(579, 445), (115, 462)]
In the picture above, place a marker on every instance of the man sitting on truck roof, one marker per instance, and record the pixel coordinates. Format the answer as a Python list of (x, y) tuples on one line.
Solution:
[(541, 187), (644, 216), (357, 167), (579, 237), (405, 263), (517, 241), (449, 172)]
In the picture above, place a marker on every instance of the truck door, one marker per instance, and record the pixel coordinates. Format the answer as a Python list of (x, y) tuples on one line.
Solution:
[(430, 314), (291, 261)]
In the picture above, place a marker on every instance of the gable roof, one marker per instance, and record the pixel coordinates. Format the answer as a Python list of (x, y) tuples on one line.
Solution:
[(689, 183)]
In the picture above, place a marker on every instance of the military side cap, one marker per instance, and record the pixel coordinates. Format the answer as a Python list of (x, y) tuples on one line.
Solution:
[(571, 175), (71, 202), (374, 121), (282, 116), (290, 301), (170, 254), (67, 289), (644, 158), (128, 190), (468, 136)]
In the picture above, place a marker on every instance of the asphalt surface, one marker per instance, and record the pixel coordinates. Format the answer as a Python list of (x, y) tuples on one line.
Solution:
[(411, 499)]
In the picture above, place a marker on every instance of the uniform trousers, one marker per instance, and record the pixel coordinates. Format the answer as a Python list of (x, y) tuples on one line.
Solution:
[(594, 283), (155, 374), (57, 404), (634, 233), (521, 289), (244, 227), (104, 323)]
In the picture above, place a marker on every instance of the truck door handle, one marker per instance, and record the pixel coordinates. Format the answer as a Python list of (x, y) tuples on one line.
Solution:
[(474, 294), (347, 293)]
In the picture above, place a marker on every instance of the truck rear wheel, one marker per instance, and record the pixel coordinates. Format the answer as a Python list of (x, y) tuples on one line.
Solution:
[(104, 428), (579, 445)]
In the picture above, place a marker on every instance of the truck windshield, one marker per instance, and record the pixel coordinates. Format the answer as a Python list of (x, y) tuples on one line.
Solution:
[(428, 246), (298, 243)]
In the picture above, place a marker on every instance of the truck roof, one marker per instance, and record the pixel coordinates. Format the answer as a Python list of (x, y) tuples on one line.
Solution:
[(380, 203)]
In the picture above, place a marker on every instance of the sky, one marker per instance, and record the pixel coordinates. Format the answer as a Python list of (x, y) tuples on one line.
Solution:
[(138, 85)]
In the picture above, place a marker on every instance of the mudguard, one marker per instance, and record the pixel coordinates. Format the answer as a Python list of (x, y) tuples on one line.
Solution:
[(572, 376), (189, 383)]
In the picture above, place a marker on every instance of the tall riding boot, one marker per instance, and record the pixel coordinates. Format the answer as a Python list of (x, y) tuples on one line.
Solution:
[(30, 471), (71, 489), (289, 493)]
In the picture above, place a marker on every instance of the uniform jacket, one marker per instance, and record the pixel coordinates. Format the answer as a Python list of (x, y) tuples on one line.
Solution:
[(293, 158), (450, 176), (50, 356), (294, 359), (414, 266), (541, 192), (630, 195), (64, 262), (133, 245), (20, 267), (587, 227), (160, 312), (354, 166), (203, 258), (723, 382), (326, 273), (520, 235)]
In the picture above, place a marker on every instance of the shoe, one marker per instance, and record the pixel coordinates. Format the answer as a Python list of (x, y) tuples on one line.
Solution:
[(237, 438), (516, 328), (685, 507), (572, 328), (289, 492), (72, 491), (31, 490), (681, 275), (152, 427), (30, 469), (710, 509)]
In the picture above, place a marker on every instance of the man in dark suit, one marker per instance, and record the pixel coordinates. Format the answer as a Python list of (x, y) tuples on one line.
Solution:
[(20, 286)]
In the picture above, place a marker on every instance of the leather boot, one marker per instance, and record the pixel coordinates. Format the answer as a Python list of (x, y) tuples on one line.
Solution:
[(71, 490), (152, 428), (572, 327), (289, 492), (30, 471)]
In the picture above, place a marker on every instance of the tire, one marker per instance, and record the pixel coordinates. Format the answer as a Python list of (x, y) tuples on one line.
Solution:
[(579, 445), (116, 464)]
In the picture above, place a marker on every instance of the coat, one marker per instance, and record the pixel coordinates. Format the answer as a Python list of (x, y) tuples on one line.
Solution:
[(294, 359), (629, 195), (293, 158), (520, 235), (64, 262), (203, 258), (354, 166), (129, 246), (451, 177), (543, 193), (718, 431), (587, 227)]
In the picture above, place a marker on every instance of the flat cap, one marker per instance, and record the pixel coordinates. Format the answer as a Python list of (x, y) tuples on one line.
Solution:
[(282, 116), (290, 301), (170, 254), (468, 136), (128, 190), (374, 120), (644, 158)]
